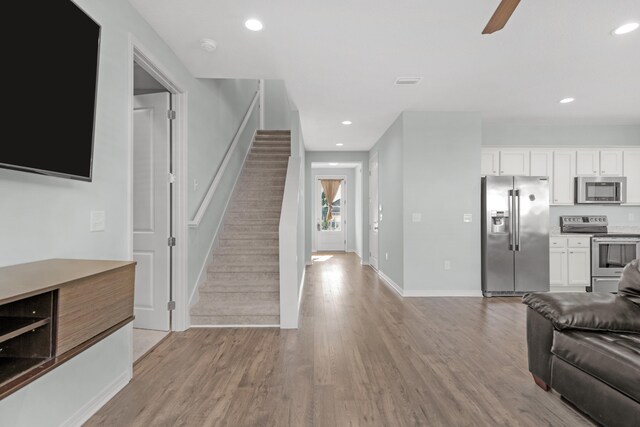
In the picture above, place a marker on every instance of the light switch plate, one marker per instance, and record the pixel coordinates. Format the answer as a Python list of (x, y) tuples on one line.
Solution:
[(467, 217), (416, 217), (97, 222)]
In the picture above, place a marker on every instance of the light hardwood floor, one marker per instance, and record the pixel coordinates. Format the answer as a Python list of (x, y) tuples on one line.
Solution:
[(362, 356)]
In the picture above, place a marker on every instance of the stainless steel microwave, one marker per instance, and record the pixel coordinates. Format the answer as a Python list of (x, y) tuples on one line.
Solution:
[(601, 190)]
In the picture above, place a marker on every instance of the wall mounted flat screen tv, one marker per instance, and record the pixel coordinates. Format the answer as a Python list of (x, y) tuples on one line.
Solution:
[(50, 69)]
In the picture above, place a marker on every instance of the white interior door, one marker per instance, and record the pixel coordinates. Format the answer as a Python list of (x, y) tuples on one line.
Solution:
[(151, 209), (373, 211), (330, 229)]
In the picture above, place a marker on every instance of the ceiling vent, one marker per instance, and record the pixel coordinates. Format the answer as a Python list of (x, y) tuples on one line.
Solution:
[(403, 81)]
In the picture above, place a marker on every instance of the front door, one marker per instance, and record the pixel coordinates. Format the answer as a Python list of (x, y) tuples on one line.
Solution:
[(151, 207), (373, 211), (331, 214)]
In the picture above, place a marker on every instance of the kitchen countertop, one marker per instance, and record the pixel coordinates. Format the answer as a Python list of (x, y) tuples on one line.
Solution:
[(554, 231)]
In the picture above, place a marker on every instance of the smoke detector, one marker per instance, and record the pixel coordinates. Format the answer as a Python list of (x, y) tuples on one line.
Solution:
[(403, 81), (208, 45)]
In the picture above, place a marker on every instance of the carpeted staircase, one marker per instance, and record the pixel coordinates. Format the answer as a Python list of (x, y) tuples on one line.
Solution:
[(243, 281)]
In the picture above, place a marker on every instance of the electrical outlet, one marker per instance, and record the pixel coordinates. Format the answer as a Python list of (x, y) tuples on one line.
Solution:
[(416, 217), (447, 265), (466, 217), (386, 256), (195, 185), (97, 221)]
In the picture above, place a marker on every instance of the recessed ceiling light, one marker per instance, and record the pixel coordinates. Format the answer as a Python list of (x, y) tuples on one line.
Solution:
[(339, 145), (567, 100), (253, 24), (347, 122), (333, 164), (208, 45), (626, 28)]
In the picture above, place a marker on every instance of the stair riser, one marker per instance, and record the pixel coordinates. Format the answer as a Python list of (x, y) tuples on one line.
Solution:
[(262, 167), (274, 149), (243, 269), (260, 173), (247, 259), (243, 277), (251, 221), (219, 305), (259, 195), (216, 287), (251, 228), (245, 251), (234, 320), (261, 205), (247, 243)]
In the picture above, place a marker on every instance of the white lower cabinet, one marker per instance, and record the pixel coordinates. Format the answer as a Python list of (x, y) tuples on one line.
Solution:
[(579, 267), (558, 266), (569, 263)]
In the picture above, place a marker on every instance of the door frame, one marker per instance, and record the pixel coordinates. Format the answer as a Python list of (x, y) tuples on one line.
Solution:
[(373, 157), (316, 193), (138, 53)]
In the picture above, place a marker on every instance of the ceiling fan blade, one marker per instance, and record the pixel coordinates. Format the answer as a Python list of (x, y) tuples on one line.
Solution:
[(501, 16)]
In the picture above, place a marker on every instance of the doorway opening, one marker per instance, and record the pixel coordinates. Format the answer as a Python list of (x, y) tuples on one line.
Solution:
[(336, 219), (158, 240)]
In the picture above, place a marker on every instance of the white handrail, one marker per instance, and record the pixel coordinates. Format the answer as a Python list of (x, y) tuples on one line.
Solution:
[(195, 222)]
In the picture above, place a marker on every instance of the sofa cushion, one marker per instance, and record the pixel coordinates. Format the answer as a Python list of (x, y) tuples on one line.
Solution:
[(587, 311), (629, 285), (612, 358)]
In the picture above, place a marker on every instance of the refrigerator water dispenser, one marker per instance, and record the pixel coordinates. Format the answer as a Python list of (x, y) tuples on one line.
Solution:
[(499, 222)]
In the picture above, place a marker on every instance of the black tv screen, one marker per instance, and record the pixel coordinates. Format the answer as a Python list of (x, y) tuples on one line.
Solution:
[(50, 67)]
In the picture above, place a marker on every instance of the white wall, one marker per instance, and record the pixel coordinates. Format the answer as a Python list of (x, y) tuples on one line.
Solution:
[(350, 175), (278, 108), (570, 135), (429, 166), (579, 135), (441, 170), (360, 227), (43, 217), (390, 196)]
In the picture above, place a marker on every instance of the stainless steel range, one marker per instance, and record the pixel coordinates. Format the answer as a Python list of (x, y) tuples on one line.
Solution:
[(610, 252)]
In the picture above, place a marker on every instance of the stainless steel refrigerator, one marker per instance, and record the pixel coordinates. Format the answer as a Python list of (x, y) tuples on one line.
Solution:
[(515, 235)]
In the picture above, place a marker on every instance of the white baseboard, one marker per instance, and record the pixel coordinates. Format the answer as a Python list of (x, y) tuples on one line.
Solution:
[(427, 293), (393, 285), (442, 293), (94, 405), (234, 326)]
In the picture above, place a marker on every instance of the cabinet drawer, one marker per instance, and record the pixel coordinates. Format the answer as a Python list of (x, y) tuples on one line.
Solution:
[(579, 242), (558, 242)]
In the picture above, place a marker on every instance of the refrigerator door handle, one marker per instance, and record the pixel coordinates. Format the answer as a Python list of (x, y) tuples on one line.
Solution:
[(516, 216), (511, 222)]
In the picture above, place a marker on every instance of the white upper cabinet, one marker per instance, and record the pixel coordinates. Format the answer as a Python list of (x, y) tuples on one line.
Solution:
[(563, 177), (611, 163), (587, 163), (514, 162), (490, 162), (541, 164), (631, 169)]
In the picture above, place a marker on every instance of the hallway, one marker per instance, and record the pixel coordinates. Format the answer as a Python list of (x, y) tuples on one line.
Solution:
[(362, 356)]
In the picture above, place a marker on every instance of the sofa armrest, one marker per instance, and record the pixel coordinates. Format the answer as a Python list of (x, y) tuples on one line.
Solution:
[(587, 311), (539, 343)]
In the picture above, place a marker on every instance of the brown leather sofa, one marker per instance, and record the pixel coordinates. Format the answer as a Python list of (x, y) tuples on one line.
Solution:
[(586, 347)]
